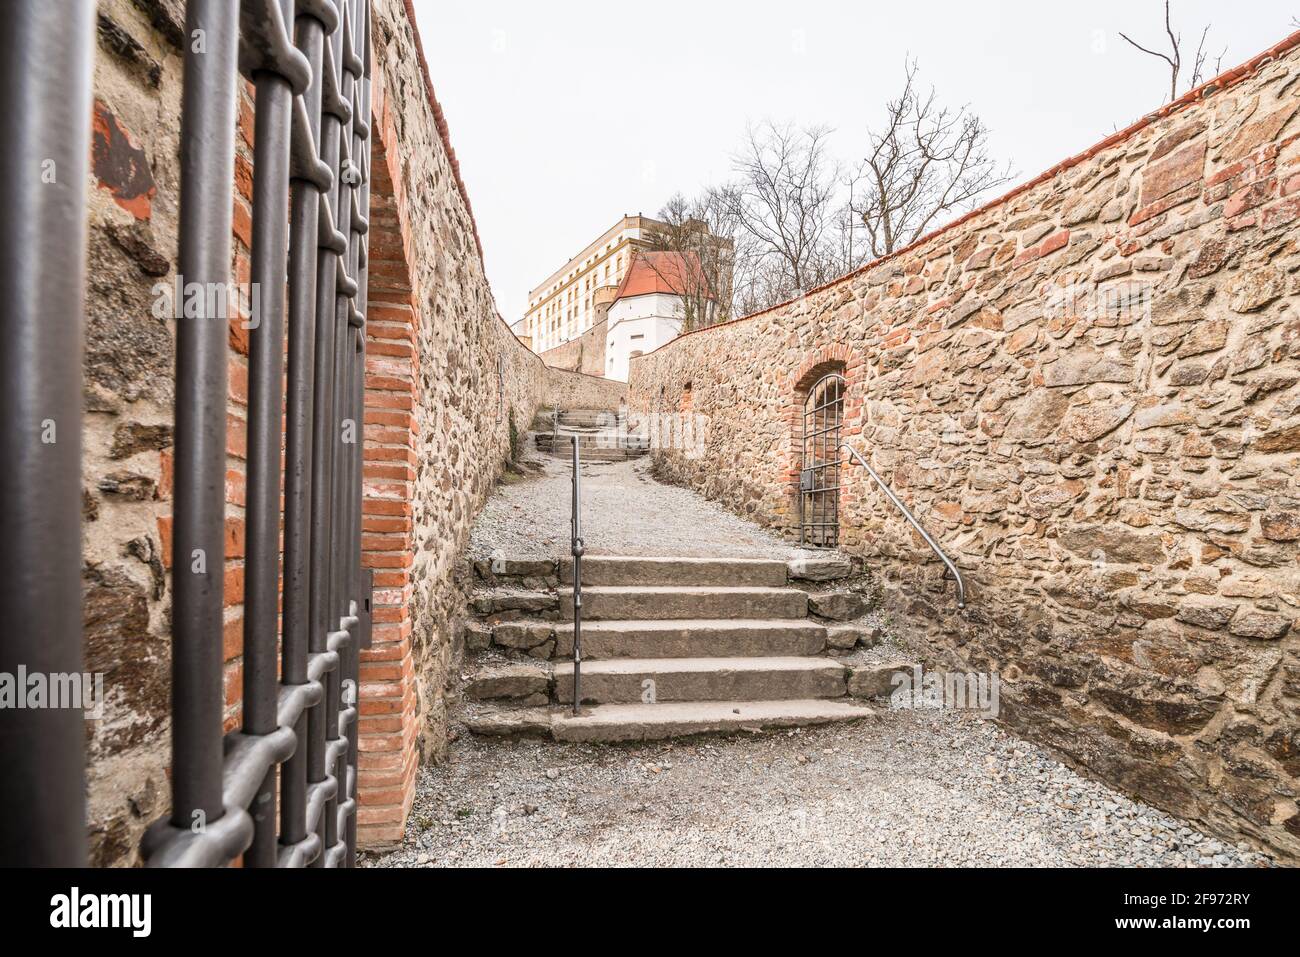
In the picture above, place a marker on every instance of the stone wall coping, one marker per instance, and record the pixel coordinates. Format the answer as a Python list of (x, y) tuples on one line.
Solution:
[(1217, 84), (444, 133), (440, 122)]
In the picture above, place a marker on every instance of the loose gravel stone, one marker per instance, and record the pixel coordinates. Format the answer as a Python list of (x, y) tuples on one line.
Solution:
[(625, 512), (908, 788)]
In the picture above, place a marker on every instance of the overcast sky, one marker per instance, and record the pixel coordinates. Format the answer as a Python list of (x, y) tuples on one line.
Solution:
[(567, 114)]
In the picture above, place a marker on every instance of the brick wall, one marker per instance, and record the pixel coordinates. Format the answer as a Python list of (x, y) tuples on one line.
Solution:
[(1090, 391)]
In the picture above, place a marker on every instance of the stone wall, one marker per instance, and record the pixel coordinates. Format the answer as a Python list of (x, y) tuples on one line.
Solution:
[(449, 389), (576, 390), (585, 353), (127, 430), (1090, 392), (446, 382)]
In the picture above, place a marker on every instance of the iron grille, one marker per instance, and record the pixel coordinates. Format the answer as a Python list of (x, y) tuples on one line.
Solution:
[(310, 203), (310, 65), (819, 475)]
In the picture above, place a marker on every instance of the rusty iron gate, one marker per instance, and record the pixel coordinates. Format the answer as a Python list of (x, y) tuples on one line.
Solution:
[(819, 472), (281, 790)]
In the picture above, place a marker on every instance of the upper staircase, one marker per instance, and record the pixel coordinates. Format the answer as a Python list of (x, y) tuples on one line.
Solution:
[(603, 435)]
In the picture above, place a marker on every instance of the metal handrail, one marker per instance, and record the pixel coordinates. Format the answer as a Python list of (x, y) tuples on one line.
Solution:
[(907, 514), (555, 425), (576, 549)]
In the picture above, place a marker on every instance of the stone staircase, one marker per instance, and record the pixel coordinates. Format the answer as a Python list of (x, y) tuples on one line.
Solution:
[(671, 646), (602, 436)]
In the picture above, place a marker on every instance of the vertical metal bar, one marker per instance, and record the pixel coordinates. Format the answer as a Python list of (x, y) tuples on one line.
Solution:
[(576, 549), (207, 183), (342, 313), (834, 458), (323, 424), (822, 472), (352, 660), (814, 499), (803, 465), (333, 680), (353, 671), (270, 247), (46, 63), (345, 437), (363, 590), (819, 475), (345, 346), (303, 254)]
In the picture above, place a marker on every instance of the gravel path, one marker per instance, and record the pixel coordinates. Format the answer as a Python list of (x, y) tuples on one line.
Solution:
[(902, 788), (625, 512)]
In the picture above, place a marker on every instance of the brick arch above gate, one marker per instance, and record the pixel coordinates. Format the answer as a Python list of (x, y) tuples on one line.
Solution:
[(839, 358)]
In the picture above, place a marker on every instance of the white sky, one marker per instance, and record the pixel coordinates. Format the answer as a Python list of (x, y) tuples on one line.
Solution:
[(566, 115)]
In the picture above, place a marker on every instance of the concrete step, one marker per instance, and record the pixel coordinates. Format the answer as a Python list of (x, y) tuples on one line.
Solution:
[(617, 570), (648, 722), (678, 601), (693, 638), (632, 680)]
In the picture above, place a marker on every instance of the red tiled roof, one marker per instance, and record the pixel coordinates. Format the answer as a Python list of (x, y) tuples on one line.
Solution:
[(676, 274)]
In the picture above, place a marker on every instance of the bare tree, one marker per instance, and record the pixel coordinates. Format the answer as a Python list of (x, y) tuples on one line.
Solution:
[(784, 201), (699, 232), (791, 214), (927, 163), (1174, 58)]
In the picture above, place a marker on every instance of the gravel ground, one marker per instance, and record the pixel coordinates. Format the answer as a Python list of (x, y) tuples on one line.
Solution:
[(901, 788), (625, 512)]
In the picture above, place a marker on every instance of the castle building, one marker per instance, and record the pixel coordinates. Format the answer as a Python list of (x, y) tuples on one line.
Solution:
[(565, 305)]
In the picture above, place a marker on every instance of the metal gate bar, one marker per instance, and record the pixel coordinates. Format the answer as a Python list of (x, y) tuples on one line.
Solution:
[(819, 485), (309, 232), (311, 178), (362, 585), (333, 111), (207, 185), (46, 60), (270, 248)]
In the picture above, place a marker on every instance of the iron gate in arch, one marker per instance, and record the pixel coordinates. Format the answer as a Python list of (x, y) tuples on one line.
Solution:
[(819, 469), (281, 789)]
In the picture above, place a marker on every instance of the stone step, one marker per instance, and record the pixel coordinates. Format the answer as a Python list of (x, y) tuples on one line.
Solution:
[(588, 418), (525, 684), (619, 570), (596, 455), (592, 441), (632, 680), (693, 638), (648, 722), (679, 601)]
